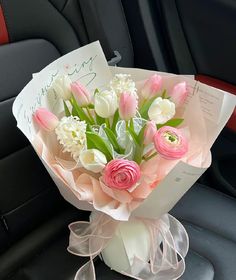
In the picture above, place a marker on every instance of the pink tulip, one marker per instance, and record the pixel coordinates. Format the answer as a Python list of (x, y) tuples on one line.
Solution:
[(170, 143), (121, 174), (127, 105), (179, 93), (45, 119), (81, 94), (152, 86), (149, 132)]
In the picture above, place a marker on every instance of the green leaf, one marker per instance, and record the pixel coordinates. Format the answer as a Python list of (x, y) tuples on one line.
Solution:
[(74, 113), (89, 115), (133, 135), (144, 109), (66, 109), (95, 141), (138, 154), (107, 122), (112, 138), (90, 144), (88, 128), (78, 111), (138, 141), (141, 135), (115, 121), (96, 91), (99, 120), (172, 122), (164, 94), (131, 124), (90, 106)]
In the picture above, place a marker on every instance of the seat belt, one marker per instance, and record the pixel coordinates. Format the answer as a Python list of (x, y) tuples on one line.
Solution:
[(96, 31)]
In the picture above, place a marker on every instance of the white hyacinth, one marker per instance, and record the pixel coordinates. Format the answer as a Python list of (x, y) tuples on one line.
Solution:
[(71, 134), (121, 83)]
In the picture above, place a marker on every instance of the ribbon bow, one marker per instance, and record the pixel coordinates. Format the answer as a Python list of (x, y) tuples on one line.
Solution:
[(169, 246)]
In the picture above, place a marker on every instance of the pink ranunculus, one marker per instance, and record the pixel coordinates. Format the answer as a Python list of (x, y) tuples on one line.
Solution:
[(179, 93), (121, 174), (45, 119), (149, 132), (152, 86), (170, 143), (81, 94), (127, 105)]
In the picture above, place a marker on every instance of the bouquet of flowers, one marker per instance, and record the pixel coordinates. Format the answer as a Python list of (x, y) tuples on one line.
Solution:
[(125, 144)]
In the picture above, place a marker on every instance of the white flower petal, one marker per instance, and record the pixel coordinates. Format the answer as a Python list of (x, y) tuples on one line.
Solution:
[(62, 86), (93, 160), (121, 83), (105, 103), (161, 110), (71, 135)]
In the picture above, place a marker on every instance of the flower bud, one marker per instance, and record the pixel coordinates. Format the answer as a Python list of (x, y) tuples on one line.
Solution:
[(152, 86), (170, 143), (149, 132), (105, 103), (93, 160), (62, 87), (127, 105), (179, 93), (81, 94), (45, 119), (161, 110)]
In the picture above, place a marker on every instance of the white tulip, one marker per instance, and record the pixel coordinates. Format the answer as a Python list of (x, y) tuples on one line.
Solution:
[(105, 103), (161, 110), (62, 86), (131, 240), (93, 160)]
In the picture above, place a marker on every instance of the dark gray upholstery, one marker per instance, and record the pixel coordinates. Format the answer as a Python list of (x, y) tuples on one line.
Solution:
[(27, 57), (33, 215), (209, 217), (27, 195), (183, 37), (39, 19)]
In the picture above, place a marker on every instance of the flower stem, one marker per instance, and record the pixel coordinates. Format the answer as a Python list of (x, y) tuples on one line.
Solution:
[(143, 103), (90, 116), (150, 157), (127, 124), (107, 123)]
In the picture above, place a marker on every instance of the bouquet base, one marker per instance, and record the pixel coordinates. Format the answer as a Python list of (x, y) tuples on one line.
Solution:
[(145, 249)]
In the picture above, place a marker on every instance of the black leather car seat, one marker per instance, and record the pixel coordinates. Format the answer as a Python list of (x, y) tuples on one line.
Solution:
[(184, 38), (34, 218)]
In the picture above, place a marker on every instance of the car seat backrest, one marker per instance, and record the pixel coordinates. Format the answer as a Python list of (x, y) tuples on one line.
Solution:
[(105, 21), (36, 35), (33, 33), (146, 31), (38, 19), (206, 29)]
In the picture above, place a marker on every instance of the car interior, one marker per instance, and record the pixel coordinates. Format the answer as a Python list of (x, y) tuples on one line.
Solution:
[(195, 37)]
